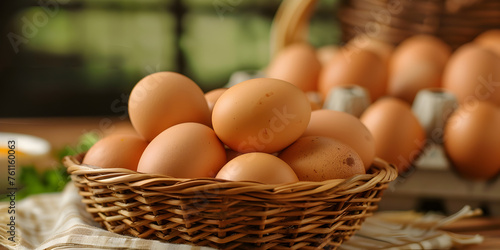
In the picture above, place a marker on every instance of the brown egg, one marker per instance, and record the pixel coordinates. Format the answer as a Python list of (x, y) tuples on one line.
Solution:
[(381, 48), (363, 68), (399, 137), (185, 150), (425, 46), (296, 64), (116, 151), (317, 158), (472, 141), (259, 167), (345, 128), (416, 64), (212, 96), (489, 39), (473, 74), (261, 115), (163, 99)]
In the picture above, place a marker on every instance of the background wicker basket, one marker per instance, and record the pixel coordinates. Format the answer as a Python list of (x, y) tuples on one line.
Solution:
[(454, 21), (230, 215)]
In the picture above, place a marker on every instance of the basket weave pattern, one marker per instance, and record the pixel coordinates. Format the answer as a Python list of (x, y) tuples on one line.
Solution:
[(230, 215), (456, 22)]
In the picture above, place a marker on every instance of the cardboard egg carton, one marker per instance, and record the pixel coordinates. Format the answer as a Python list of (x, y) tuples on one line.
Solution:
[(431, 183)]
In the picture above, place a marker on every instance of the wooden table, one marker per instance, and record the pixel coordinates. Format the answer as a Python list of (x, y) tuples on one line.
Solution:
[(489, 228)]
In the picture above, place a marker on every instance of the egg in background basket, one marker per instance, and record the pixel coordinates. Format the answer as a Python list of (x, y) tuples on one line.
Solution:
[(163, 99), (185, 150), (399, 137), (472, 141), (116, 151)]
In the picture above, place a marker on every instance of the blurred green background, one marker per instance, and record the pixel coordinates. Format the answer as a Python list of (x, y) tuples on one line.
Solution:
[(78, 57)]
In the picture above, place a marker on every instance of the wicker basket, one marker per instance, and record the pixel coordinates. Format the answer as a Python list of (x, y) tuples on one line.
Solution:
[(454, 21), (230, 215)]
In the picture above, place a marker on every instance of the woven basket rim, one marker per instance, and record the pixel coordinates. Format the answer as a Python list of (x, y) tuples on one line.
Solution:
[(381, 172), (230, 214)]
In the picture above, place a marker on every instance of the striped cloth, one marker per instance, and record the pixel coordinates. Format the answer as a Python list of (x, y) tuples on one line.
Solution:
[(59, 221)]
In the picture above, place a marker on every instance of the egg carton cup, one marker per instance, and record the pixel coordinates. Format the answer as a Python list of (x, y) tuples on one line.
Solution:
[(230, 214)]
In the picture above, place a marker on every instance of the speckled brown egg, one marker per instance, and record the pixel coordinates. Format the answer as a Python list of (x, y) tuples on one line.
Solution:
[(318, 158), (345, 128)]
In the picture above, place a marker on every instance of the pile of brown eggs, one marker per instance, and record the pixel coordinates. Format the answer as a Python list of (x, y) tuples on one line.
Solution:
[(261, 130)]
